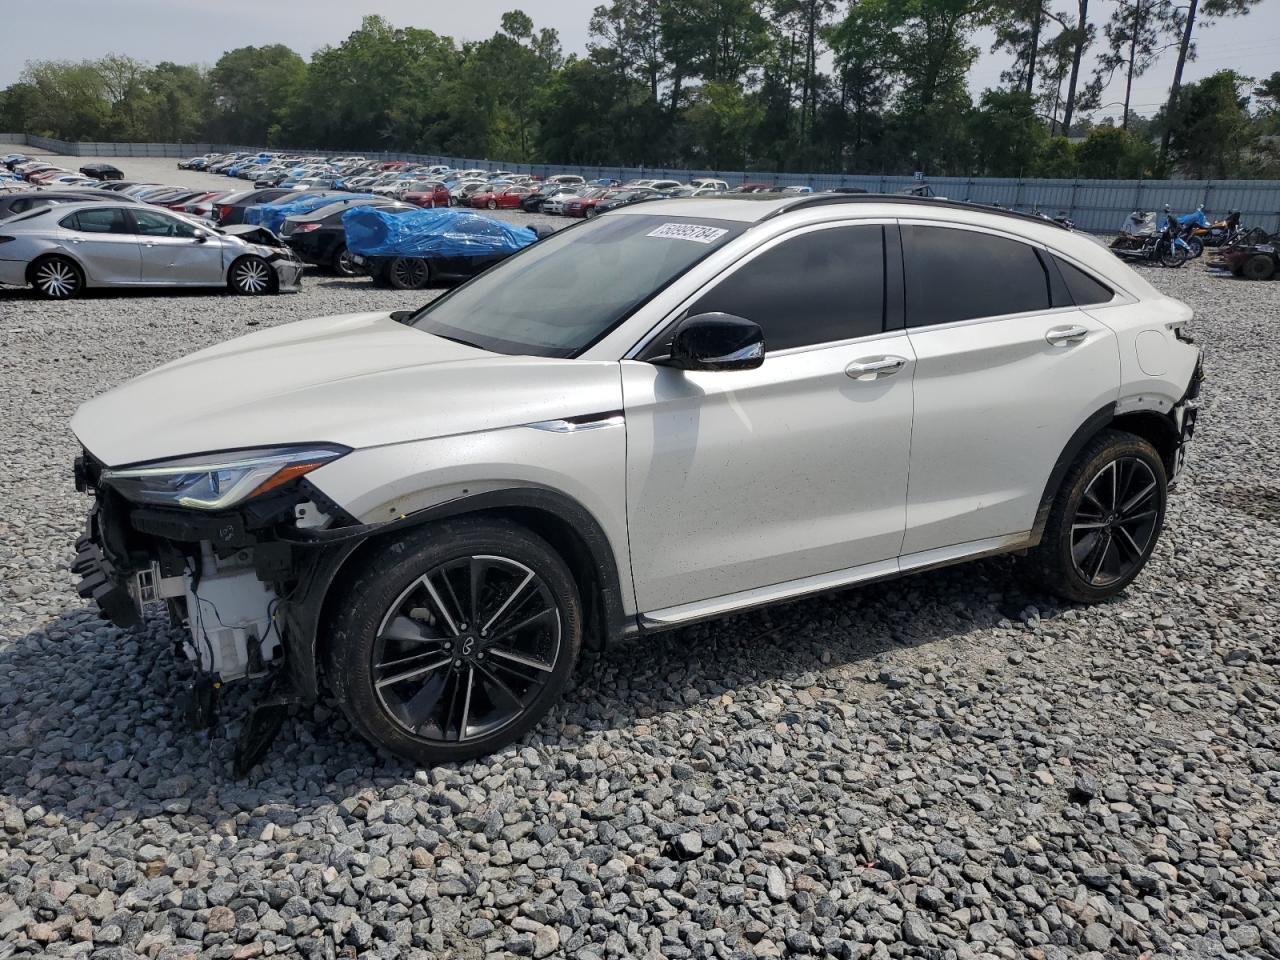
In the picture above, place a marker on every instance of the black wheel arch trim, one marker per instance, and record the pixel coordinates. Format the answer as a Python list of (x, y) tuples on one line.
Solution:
[(1101, 419), (321, 568), (1084, 433)]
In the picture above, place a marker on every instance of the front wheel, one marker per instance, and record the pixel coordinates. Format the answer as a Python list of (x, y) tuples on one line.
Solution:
[(455, 641), (57, 278), (1195, 247), (1259, 267), (1172, 256), (1104, 522), (250, 276), (492, 204)]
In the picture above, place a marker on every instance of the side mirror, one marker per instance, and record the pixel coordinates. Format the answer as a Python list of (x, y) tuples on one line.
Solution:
[(201, 237), (715, 341)]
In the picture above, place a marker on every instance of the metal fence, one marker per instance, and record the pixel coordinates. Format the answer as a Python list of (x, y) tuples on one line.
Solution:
[(1095, 205)]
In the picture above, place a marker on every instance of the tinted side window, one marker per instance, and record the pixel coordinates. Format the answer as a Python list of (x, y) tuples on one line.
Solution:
[(957, 275), (1083, 288), (819, 287), (106, 220)]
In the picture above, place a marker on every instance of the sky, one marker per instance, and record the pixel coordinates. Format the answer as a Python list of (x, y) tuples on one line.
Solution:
[(198, 31)]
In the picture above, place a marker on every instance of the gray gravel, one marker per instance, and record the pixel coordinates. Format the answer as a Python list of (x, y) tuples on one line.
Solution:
[(941, 767)]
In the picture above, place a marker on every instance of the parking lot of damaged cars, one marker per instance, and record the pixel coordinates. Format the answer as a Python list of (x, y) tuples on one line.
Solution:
[(946, 766)]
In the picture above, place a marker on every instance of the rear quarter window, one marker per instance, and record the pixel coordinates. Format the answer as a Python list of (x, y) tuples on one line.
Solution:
[(1084, 288)]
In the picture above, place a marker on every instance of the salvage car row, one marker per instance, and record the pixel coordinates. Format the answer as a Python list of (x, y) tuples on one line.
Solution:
[(124, 234)]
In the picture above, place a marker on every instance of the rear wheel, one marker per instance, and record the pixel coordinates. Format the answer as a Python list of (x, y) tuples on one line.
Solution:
[(1195, 247), (492, 204), (1105, 520), (344, 264), (408, 273), (1259, 267), (57, 278), (455, 641), (250, 276)]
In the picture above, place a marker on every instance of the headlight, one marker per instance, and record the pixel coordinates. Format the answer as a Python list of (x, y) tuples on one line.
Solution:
[(219, 480)]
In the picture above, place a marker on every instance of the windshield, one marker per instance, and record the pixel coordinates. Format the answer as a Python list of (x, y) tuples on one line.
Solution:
[(562, 294)]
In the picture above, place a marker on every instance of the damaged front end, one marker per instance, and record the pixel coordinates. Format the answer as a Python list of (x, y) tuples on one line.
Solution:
[(220, 540)]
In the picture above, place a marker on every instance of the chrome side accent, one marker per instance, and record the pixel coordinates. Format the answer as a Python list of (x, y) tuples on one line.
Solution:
[(576, 424), (865, 573)]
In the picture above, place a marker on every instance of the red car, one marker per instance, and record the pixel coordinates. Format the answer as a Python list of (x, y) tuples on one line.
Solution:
[(436, 196), (47, 173), (585, 205), (507, 199)]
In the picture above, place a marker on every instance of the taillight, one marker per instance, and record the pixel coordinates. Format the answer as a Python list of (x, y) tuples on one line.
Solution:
[(306, 227), (224, 212)]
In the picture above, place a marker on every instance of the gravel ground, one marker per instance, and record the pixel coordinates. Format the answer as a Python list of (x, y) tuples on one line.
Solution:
[(941, 767)]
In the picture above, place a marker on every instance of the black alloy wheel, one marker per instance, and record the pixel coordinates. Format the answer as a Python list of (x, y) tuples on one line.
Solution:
[(1104, 521), (455, 639), (466, 648), (408, 273), (1115, 522)]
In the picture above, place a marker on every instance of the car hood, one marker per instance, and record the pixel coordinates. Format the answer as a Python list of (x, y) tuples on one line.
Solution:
[(360, 380)]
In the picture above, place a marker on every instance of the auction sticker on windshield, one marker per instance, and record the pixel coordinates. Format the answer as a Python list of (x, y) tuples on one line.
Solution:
[(688, 231)]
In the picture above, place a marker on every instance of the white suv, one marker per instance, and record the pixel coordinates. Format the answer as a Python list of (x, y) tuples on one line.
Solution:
[(671, 412)]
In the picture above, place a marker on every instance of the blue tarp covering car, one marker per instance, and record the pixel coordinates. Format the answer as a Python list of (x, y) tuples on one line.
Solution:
[(431, 233), (410, 250), (272, 215)]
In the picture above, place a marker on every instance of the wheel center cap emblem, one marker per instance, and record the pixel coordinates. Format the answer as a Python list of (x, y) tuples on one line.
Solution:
[(468, 646)]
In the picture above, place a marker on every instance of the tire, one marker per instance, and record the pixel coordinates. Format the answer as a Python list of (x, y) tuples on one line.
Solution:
[(1259, 267), (56, 278), (1091, 550), (472, 695), (251, 277), (408, 273), (1171, 256), (343, 265), (590, 212), (1195, 247), (492, 204)]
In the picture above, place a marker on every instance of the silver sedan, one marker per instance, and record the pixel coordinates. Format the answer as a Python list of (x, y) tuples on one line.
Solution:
[(63, 250)]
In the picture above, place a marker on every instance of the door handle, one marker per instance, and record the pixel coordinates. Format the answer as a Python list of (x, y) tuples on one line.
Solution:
[(873, 368), (1072, 333)]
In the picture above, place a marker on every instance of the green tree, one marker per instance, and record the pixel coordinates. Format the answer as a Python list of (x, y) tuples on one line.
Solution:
[(379, 88), (1134, 34), (1210, 127), (1195, 13), (254, 89), (19, 103), (1008, 137), (1114, 153), (720, 120)]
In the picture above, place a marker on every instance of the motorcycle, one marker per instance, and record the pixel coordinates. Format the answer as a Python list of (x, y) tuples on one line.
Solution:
[(1186, 227), (1061, 219), (1220, 232), (1140, 239)]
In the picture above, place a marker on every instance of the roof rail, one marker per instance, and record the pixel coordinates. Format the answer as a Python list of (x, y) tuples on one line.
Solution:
[(822, 199)]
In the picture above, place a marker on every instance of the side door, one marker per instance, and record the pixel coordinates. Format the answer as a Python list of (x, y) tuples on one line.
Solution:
[(101, 238), (1007, 369), (747, 479), (176, 252)]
